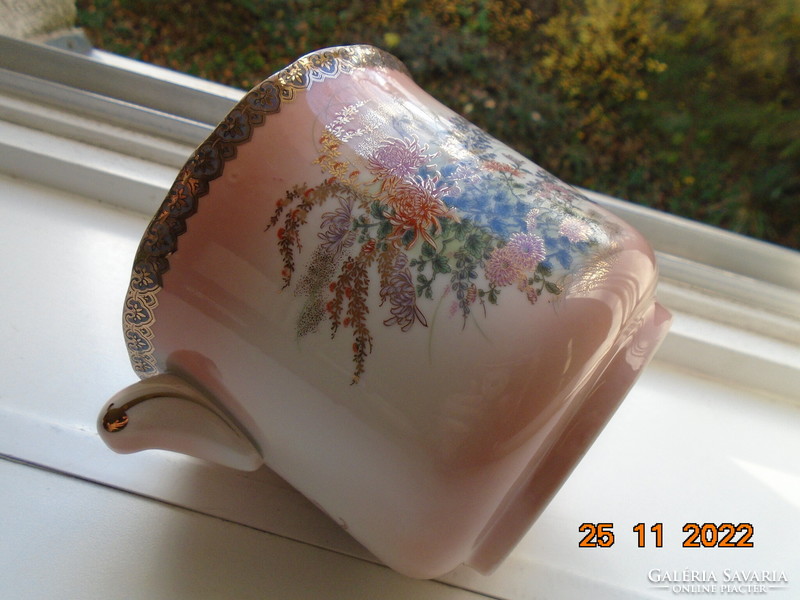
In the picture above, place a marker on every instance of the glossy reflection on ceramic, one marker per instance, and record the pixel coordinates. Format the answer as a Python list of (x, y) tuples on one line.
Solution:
[(413, 324)]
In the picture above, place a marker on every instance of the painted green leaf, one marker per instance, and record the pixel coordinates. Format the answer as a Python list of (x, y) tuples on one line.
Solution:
[(552, 287), (441, 264), (544, 269), (474, 245), (384, 229)]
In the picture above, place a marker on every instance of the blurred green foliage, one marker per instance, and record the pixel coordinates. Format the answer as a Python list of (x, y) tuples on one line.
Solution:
[(689, 106)]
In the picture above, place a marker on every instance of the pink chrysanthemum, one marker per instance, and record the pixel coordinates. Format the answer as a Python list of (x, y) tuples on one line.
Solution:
[(558, 192), (501, 268), (526, 250), (574, 229), (530, 219), (398, 158)]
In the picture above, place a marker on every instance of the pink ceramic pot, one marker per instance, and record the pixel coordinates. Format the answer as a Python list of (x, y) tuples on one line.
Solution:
[(418, 328)]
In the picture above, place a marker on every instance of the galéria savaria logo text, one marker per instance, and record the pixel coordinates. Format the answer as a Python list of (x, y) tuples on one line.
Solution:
[(724, 582)]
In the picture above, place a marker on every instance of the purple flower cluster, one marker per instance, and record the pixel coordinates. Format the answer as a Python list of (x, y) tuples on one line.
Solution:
[(337, 235), (399, 290), (398, 159), (510, 263), (574, 229)]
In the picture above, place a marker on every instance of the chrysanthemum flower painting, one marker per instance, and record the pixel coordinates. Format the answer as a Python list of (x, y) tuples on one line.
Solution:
[(423, 230), (398, 159)]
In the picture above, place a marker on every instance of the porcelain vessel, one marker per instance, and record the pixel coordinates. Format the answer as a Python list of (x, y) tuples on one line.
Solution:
[(418, 328)]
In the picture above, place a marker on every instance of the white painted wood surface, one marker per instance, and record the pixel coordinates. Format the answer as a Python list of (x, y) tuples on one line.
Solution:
[(87, 542)]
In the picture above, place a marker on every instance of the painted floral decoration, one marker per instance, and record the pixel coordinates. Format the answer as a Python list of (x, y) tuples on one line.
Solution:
[(464, 223)]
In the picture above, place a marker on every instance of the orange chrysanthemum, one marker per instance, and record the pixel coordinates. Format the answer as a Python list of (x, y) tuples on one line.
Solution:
[(417, 206)]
